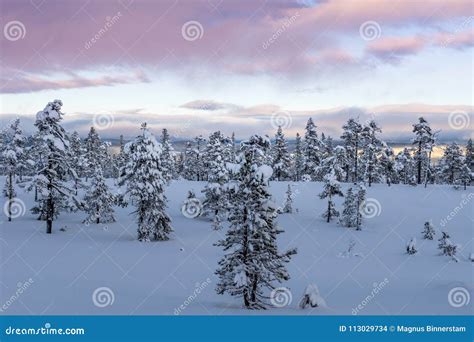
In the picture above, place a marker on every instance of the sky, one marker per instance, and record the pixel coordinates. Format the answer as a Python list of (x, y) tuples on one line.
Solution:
[(239, 66)]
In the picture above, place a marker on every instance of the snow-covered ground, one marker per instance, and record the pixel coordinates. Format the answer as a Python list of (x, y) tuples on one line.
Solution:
[(66, 272)]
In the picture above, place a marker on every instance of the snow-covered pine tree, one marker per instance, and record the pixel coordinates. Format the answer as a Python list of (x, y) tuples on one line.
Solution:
[(120, 158), (312, 150), (298, 160), (94, 152), (53, 173), (216, 200), (15, 161), (167, 157), (411, 246), (428, 231), (447, 247), (189, 163), (451, 164), (200, 164), (76, 157), (281, 162), (331, 189), (312, 298), (371, 147), (334, 163), (99, 200), (423, 141), (469, 154), (464, 178), (253, 261), (288, 207), (350, 210), (352, 136), (145, 186), (405, 167), (359, 200), (387, 165)]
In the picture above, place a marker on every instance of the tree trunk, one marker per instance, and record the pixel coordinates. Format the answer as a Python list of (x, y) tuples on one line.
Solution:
[(329, 211), (356, 176), (10, 196), (419, 163)]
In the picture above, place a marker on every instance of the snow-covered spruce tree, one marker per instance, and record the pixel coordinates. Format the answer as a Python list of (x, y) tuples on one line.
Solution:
[(281, 162), (387, 165), (120, 158), (167, 158), (252, 262), (53, 173), (298, 164), (98, 200), (371, 147), (145, 186), (216, 200), (200, 165), (94, 153), (464, 178), (405, 167), (469, 154), (76, 156), (428, 231), (423, 141), (312, 150), (312, 298), (350, 210), (288, 207), (331, 189), (334, 163), (351, 137), (359, 200), (15, 161), (189, 163), (451, 164), (447, 247), (411, 246)]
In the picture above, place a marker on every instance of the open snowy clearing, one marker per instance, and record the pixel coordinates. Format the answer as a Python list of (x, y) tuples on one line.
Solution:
[(59, 273)]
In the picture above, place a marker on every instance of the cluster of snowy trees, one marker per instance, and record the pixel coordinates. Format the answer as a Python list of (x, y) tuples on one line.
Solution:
[(361, 156), (445, 245), (55, 165)]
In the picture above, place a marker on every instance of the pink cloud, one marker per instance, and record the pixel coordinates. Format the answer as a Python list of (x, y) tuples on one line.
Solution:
[(392, 48), (32, 83), (85, 35)]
